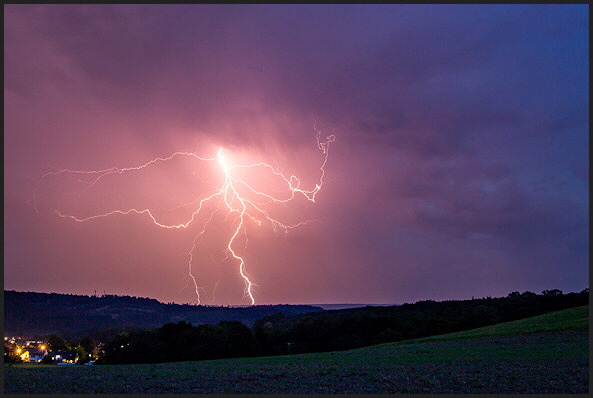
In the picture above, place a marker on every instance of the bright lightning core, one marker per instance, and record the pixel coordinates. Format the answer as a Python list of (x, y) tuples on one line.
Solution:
[(232, 198)]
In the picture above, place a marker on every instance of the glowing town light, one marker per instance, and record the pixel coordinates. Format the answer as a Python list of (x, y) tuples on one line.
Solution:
[(242, 208)]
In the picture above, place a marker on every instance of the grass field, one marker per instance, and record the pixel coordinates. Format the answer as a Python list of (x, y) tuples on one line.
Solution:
[(570, 319), (544, 354)]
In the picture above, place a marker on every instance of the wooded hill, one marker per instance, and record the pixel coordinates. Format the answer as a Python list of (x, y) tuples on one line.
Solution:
[(70, 316)]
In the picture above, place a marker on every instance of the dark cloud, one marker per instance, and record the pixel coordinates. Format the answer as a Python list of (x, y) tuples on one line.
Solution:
[(460, 166)]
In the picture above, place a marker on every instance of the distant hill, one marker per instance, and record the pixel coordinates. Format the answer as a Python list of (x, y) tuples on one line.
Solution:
[(30, 313), (348, 306)]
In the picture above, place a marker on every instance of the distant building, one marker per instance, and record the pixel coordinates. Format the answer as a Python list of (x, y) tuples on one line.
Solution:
[(23, 354), (34, 354), (63, 357)]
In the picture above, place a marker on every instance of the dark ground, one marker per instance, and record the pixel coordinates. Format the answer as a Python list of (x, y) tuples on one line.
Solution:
[(550, 362)]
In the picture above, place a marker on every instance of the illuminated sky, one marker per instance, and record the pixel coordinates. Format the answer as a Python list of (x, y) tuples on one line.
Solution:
[(460, 166)]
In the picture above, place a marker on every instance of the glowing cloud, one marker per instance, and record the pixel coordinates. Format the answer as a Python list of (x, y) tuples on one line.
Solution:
[(242, 205)]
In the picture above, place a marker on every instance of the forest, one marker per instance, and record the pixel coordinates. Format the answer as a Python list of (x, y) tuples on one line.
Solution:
[(278, 333)]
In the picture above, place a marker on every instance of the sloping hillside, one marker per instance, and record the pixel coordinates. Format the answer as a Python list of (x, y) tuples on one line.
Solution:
[(576, 318)]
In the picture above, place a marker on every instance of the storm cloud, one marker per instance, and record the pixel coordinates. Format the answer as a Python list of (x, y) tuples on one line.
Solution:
[(460, 166)]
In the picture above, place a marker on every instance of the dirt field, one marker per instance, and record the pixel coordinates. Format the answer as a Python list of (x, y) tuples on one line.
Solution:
[(549, 362)]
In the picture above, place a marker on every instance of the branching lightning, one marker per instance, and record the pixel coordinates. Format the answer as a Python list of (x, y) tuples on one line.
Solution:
[(241, 208)]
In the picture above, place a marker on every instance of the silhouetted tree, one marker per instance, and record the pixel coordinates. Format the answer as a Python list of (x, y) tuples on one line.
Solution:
[(88, 345), (56, 343), (553, 292), (81, 356)]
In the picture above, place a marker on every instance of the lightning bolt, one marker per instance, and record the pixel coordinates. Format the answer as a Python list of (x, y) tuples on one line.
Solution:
[(241, 208)]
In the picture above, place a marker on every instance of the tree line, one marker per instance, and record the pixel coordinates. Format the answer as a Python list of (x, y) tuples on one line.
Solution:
[(181, 341), (328, 330)]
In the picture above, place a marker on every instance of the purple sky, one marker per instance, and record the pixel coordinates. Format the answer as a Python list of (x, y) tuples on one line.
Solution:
[(460, 166)]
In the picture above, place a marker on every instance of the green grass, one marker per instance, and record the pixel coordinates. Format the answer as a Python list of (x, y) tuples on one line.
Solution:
[(570, 319), (511, 356)]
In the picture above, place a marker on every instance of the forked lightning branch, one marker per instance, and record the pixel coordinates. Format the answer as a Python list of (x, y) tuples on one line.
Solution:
[(242, 208)]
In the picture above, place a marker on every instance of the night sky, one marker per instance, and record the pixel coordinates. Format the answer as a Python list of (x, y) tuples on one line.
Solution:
[(460, 165)]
